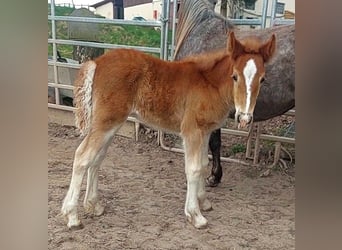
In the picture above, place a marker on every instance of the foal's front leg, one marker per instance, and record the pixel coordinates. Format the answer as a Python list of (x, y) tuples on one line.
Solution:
[(195, 179), (204, 203)]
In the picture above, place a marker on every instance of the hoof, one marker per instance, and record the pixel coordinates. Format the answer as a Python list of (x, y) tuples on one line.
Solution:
[(96, 210), (206, 205), (72, 220), (76, 227), (211, 181), (74, 223), (198, 222)]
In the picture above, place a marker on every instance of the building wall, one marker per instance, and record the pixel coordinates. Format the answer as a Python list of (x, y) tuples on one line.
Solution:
[(144, 10), (150, 11), (130, 3), (105, 10), (289, 6), (256, 13), (157, 7)]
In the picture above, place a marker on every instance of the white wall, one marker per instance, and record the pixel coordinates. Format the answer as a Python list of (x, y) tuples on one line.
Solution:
[(157, 5), (105, 10), (144, 10), (289, 5)]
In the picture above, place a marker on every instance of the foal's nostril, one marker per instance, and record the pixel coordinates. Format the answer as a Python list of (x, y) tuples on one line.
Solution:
[(238, 118)]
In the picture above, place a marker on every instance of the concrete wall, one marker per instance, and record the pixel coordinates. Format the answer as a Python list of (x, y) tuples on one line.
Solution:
[(63, 117)]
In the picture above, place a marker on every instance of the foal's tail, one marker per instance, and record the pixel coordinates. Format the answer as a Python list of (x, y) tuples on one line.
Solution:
[(83, 96)]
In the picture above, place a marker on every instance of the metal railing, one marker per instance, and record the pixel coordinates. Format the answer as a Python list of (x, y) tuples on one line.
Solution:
[(262, 18), (162, 50), (259, 136)]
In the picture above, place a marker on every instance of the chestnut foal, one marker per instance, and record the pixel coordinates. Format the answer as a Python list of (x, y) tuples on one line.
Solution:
[(191, 97)]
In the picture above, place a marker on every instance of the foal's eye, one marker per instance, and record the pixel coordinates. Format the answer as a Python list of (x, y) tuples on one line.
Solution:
[(234, 77), (262, 79)]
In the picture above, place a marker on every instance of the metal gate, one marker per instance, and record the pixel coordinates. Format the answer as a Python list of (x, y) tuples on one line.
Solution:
[(163, 24), (261, 21), (165, 52)]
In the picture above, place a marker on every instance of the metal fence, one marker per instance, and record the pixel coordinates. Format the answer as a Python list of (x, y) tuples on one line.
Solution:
[(162, 50), (165, 51), (287, 138)]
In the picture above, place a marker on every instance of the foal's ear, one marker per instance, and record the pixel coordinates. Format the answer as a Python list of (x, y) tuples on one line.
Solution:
[(235, 48), (267, 49)]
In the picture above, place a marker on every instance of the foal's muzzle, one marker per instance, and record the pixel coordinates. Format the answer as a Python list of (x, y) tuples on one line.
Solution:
[(244, 119)]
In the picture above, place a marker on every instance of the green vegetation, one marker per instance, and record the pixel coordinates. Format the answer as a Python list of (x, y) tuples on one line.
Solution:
[(238, 148), (130, 35), (60, 11), (113, 34)]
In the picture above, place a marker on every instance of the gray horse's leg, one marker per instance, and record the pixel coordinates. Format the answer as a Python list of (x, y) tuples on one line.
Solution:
[(215, 147)]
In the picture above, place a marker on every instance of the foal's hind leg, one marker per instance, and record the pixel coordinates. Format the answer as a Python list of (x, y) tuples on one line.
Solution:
[(91, 203), (90, 153)]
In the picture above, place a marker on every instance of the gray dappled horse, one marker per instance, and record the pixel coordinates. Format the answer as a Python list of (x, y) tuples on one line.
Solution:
[(200, 29)]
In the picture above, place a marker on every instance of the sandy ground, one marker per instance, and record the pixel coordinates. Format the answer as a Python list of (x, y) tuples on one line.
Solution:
[(143, 188)]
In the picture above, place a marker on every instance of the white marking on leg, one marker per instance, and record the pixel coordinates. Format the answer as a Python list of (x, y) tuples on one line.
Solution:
[(91, 202), (249, 72), (83, 159), (89, 154), (202, 198), (193, 170)]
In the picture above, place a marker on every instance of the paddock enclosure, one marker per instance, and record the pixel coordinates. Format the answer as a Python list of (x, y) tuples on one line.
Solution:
[(143, 188)]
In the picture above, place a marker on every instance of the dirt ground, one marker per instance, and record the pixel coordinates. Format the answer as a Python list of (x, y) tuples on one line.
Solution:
[(143, 188)]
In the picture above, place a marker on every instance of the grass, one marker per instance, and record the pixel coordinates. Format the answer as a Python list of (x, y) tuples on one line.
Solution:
[(130, 35), (238, 148), (108, 33)]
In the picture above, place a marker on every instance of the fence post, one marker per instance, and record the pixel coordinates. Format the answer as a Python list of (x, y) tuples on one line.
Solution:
[(264, 14)]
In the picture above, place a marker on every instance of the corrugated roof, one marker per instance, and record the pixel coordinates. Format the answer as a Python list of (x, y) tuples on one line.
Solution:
[(129, 3), (95, 5)]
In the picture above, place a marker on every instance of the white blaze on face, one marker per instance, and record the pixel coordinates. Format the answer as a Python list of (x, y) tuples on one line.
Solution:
[(249, 72)]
